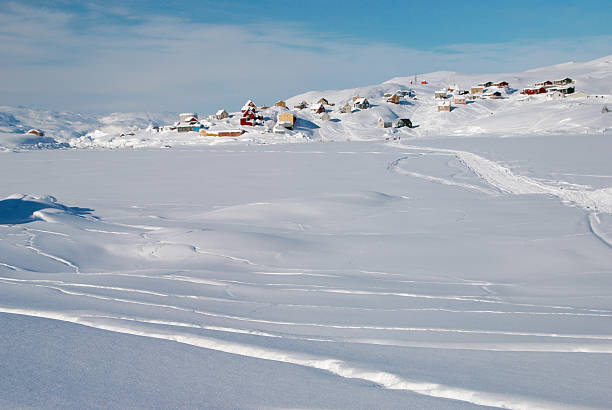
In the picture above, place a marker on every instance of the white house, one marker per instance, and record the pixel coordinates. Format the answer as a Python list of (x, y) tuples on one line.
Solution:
[(188, 118), (361, 103), (221, 114)]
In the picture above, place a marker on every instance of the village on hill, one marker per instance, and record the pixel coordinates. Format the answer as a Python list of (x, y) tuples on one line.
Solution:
[(289, 119), (439, 103)]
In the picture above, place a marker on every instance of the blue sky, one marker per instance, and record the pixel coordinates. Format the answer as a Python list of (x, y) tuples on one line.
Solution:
[(198, 55)]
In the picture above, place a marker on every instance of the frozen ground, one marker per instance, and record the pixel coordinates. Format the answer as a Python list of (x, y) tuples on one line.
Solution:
[(427, 273)]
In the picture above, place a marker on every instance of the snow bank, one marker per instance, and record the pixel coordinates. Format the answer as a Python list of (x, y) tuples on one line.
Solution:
[(20, 208)]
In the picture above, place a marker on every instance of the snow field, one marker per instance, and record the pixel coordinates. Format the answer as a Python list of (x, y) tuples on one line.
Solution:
[(392, 264)]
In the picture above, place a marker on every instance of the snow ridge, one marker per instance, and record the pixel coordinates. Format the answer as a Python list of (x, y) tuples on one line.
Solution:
[(337, 367)]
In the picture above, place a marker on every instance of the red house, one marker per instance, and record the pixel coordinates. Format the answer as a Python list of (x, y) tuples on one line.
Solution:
[(248, 105), (530, 91), (250, 114), (502, 84)]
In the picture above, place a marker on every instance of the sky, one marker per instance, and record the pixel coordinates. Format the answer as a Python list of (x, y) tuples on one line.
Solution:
[(143, 56)]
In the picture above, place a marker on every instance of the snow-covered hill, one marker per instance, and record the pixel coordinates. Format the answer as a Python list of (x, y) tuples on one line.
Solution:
[(62, 127), (515, 114)]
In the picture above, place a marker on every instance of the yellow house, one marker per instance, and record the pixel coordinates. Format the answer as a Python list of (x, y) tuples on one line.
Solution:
[(444, 105), (286, 119), (395, 99)]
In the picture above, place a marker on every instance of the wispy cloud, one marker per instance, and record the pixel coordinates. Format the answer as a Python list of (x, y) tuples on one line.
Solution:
[(158, 63)]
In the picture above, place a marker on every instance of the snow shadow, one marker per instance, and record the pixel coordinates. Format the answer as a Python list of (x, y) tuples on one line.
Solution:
[(20, 209), (301, 123)]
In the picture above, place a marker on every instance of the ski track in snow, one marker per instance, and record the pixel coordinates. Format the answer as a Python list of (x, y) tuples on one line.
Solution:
[(30, 245), (508, 182), (394, 166), (593, 223), (338, 367), (306, 324)]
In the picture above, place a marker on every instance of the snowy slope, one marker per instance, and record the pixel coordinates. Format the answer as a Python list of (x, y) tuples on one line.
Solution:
[(61, 127), (515, 115)]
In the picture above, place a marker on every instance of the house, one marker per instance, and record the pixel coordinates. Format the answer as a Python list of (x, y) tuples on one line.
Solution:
[(36, 132), (325, 116), (423, 82), (318, 108), (395, 99), (530, 91), (185, 128), (286, 120), (565, 81), (224, 133), (387, 95), (564, 90), (546, 83), (444, 105), (440, 94), (281, 103), (355, 98), (458, 99), (476, 89), (404, 122), (554, 95), (502, 84), (323, 101), (346, 109), (493, 96), (188, 118), (221, 114), (248, 105), (301, 105), (487, 84), (249, 114), (384, 124), (361, 103)]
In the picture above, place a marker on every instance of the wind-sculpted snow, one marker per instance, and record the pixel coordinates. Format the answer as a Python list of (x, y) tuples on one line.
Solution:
[(19, 209), (450, 273)]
